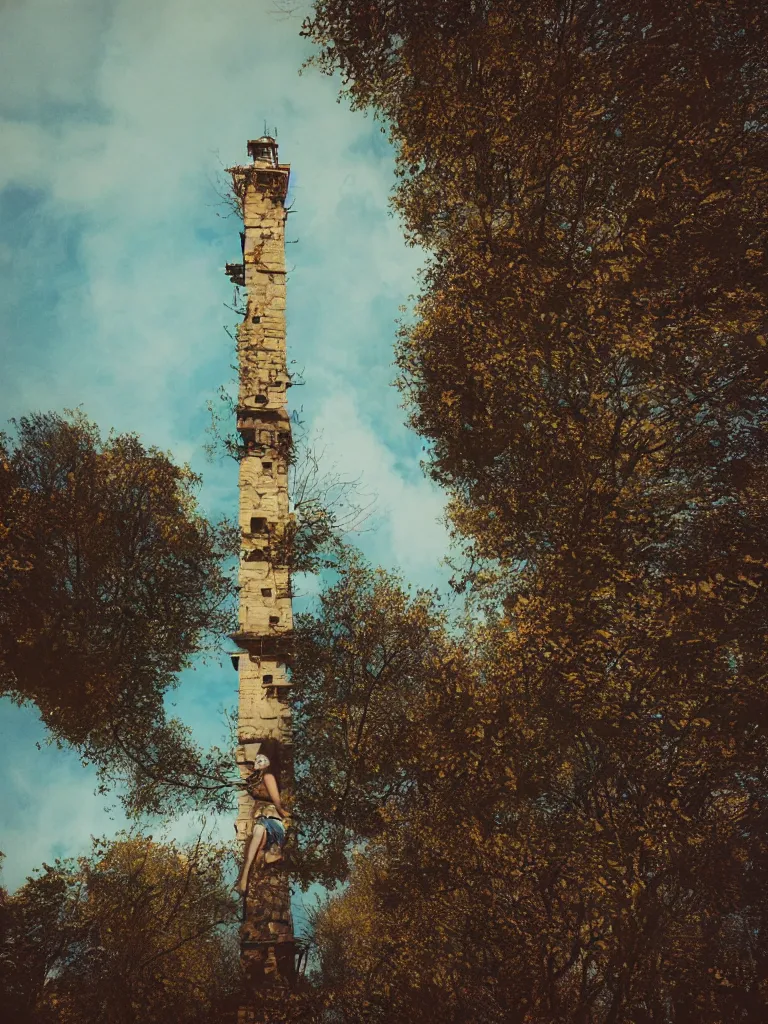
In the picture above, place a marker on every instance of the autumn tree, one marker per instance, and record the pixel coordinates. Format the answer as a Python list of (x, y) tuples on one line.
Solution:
[(588, 177), (362, 660), (137, 932), (530, 863), (111, 581), (588, 362)]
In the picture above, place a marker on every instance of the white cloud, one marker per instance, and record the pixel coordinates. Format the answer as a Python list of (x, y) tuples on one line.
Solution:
[(49, 808), (409, 534), (51, 50)]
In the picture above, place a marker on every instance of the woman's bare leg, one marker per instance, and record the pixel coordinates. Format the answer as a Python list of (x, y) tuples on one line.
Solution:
[(257, 841)]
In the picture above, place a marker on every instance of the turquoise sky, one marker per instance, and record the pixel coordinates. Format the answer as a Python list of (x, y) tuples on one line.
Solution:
[(116, 120)]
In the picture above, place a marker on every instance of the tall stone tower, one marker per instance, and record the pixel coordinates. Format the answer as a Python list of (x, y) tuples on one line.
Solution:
[(265, 615)]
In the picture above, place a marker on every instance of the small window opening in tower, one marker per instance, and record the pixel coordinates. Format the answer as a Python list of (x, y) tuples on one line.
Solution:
[(266, 591), (266, 468), (268, 680), (259, 524), (274, 620)]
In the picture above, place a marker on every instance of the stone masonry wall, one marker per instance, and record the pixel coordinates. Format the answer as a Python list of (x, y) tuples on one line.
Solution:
[(265, 617)]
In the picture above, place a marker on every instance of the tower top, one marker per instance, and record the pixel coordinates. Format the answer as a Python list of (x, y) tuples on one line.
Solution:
[(263, 151), (265, 173)]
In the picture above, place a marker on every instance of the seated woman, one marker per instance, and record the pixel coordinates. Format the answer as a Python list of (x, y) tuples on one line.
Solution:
[(268, 834)]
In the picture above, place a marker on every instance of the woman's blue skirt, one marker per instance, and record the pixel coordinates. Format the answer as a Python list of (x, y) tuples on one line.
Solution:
[(275, 831)]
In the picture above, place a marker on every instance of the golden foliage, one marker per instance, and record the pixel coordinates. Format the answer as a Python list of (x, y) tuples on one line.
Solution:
[(583, 837), (137, 932), (110, 581)]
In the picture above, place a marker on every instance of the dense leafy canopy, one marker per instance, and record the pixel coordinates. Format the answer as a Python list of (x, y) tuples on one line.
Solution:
[(139, 932), (589, 176), (588, 360), (363, 660), (110, 581)]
